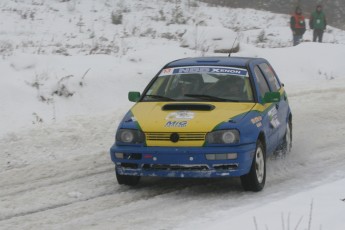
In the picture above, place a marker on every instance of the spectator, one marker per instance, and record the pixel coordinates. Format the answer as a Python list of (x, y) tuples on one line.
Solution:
[(297, 25), (318, 23)]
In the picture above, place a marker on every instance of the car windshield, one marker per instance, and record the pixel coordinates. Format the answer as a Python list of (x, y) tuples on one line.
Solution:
[(203, 83)]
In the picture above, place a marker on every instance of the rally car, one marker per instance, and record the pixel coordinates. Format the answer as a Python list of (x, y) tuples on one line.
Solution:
[(205, 117)]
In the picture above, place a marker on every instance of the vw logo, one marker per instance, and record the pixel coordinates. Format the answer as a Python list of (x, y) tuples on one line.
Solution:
[(174, 137)]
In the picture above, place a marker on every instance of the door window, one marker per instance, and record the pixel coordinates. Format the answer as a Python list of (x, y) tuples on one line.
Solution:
[(263, 86), (270, 76)]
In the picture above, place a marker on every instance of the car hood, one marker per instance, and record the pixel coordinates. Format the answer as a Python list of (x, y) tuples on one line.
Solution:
[(187, 117)]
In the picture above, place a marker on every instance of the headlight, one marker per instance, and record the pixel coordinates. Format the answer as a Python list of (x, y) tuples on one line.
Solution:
[(231, 136), (130, 136)]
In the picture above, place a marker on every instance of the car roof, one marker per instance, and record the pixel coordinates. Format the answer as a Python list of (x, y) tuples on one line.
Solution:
[(214, 61)]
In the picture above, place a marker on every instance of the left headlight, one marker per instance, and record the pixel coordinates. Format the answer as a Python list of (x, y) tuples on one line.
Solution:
[(130, 136), (231, 136)]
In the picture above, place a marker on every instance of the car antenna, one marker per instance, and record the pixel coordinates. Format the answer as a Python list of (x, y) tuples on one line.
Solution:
[(232, 48)]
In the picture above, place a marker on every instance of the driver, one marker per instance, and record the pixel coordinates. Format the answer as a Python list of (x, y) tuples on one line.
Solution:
[(230, 88)]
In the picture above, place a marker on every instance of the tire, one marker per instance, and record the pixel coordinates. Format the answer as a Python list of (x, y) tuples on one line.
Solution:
[(127, 180), (287, 143), (256, 178)]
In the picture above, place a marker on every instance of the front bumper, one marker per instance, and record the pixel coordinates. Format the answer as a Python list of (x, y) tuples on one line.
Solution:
[(182, 161)]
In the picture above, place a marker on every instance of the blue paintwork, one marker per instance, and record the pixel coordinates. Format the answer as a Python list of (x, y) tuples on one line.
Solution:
[(213, 61), (185, 156)]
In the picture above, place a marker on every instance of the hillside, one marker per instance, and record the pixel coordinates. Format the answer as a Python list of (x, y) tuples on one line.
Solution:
[(335, 9)]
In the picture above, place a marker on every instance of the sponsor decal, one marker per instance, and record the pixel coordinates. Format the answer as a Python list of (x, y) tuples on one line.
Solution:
[(180, 115), (204, 69), (176, 124), (165, 72), (131, 119), (273, 116), (233, 71), (256, 119)]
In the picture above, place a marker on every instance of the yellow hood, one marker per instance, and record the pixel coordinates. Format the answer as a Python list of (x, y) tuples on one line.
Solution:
[(152, 118)]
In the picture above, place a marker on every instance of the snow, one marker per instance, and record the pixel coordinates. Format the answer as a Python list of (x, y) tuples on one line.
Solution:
[(66, 71), (313, 207)]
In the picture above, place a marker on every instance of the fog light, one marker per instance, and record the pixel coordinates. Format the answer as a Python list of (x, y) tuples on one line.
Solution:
[(221, 156), (119, 155), (231, 156), (210, 157)]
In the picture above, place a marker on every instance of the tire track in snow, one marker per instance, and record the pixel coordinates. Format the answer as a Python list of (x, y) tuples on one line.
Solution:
[(21, 214), (78, 176), (57, 180), (53, 179), (131, 195), (318, 91), (47, 182)]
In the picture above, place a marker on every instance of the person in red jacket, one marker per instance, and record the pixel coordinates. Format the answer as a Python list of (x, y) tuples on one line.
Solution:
[(297, 25)]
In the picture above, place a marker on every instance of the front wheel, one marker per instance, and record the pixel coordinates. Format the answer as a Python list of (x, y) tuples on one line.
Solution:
[(256, 178), (127, 180)]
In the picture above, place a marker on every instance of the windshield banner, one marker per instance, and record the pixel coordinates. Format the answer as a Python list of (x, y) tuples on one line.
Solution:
[(204, 69)]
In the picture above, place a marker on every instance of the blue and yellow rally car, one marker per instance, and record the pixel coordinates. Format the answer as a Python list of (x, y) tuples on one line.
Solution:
[(205, 117)]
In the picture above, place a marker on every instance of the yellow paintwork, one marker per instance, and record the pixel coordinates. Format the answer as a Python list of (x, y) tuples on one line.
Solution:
[(152, 119)]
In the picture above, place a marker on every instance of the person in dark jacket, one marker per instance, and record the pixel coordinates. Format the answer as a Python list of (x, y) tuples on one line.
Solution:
[(318, 23), (297, 25)]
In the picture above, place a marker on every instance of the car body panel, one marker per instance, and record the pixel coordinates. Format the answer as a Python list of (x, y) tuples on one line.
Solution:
[(184, 121)]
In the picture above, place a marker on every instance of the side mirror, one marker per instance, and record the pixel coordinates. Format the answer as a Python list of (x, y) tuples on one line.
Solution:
[(271, 97), (133, 96)]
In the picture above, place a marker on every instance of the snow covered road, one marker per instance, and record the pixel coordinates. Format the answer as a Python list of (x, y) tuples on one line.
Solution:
[(73, 185)]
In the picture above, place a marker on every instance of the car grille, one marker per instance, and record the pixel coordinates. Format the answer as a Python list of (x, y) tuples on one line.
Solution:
[(182, 136)]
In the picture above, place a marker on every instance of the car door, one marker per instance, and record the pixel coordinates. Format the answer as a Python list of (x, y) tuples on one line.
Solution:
[(281, 107), (269, 110)]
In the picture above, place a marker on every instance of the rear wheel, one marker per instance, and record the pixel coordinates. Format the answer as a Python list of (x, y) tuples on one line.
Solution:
[(287, 144), (126, 179), (256, 178)]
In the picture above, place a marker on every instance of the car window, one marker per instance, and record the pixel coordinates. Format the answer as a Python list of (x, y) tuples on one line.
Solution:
[(230, 87), (200, 83), (271, 77), (263, 86)]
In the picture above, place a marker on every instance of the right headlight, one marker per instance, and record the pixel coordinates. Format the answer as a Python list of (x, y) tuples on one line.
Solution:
[(231, 136), (130, 136)]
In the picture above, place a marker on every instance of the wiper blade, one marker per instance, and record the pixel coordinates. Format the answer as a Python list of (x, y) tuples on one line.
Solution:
[(209, 97), (160, 97)]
